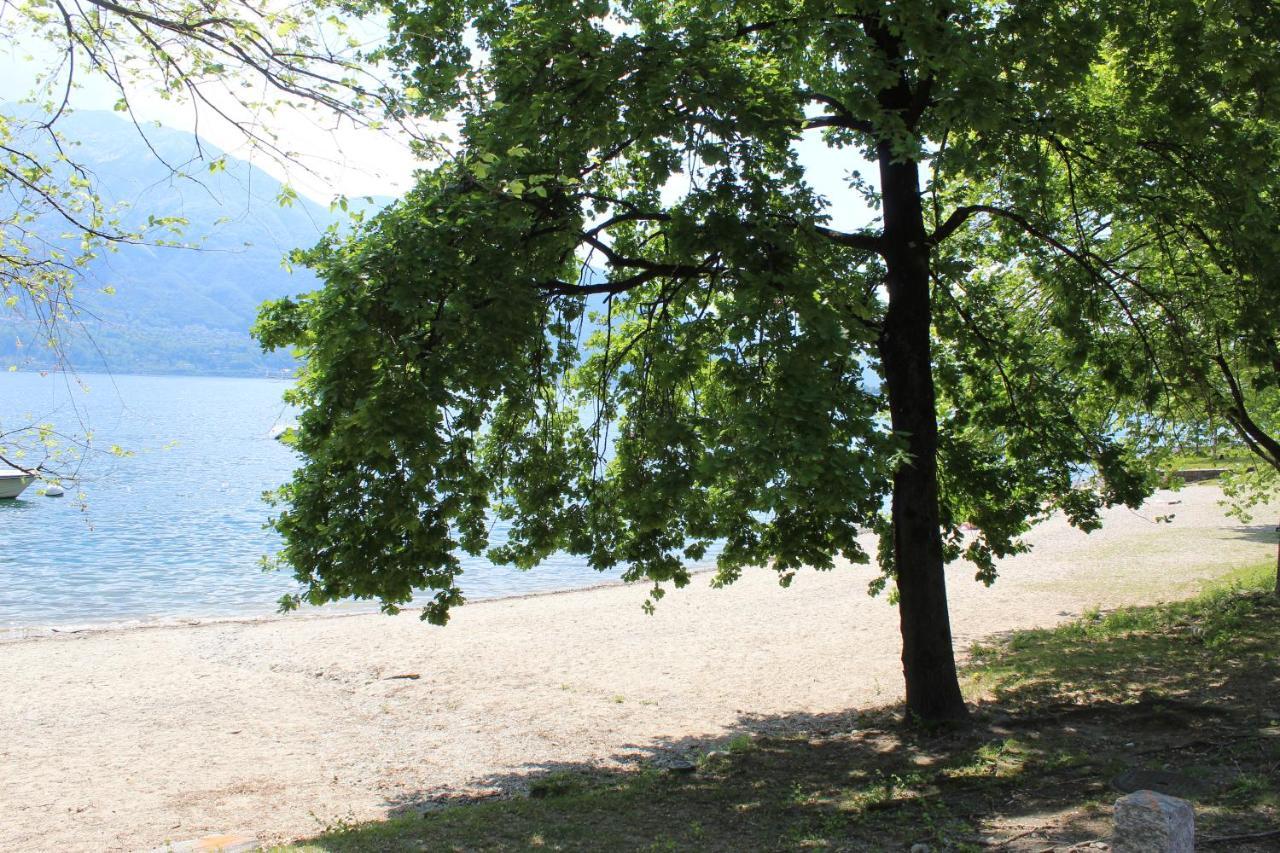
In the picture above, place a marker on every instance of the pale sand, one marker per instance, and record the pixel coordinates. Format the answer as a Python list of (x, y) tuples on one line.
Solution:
[(126, 739)]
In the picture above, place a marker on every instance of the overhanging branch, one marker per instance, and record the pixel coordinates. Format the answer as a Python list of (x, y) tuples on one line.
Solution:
[(1082, 258), (863, 241), (649, 272), (958, 217), (841, 116)]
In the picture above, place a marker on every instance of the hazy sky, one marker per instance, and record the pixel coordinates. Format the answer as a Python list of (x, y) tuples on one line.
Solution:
[(330, 161), (345, 160)]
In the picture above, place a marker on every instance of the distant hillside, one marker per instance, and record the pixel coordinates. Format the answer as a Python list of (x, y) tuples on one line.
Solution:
[(178, 310)]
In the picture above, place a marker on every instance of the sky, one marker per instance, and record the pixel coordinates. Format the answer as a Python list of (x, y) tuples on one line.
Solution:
[(332, 157), (336, 158)]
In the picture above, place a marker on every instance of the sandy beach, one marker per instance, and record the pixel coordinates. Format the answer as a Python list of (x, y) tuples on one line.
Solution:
[(126, 739)]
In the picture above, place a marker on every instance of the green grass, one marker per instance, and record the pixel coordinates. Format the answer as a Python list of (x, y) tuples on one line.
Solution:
[(1226, 457), (1190, 687)]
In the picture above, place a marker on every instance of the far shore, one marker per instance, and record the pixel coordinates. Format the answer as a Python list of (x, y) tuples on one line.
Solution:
[(159, 373), (277, 727)]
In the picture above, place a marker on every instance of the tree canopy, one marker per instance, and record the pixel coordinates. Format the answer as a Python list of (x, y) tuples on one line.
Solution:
[(620, 319)]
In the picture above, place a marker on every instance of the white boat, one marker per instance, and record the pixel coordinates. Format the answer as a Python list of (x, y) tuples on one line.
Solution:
[(12, 482)]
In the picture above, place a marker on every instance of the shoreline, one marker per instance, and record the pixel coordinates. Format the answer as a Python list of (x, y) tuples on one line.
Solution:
[(345, 609), (339, 610), (275, 727)]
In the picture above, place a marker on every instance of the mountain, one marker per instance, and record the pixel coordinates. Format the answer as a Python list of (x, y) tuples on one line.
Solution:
[(177, 310)]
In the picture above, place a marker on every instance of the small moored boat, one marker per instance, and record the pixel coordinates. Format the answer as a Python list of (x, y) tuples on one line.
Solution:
[(13, 481)]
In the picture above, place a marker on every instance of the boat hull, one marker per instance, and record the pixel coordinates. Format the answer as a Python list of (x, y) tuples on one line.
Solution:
[(12, 485)]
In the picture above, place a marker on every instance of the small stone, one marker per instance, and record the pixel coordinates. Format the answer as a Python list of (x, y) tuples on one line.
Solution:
[(680, 765), (1149, 822), (921, 848)]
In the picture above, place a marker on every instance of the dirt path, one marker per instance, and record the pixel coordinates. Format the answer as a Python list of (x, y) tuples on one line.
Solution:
[(126, 739)]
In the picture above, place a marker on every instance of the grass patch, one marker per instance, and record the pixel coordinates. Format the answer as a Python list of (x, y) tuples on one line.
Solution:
[(1227, 457), (1190, 688)]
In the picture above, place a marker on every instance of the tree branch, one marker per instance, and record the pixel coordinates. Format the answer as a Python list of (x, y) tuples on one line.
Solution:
[(842, 122), (1083, 259), (958, 217), (841, 116), (1244, 421), (863, 241), (613, 288)]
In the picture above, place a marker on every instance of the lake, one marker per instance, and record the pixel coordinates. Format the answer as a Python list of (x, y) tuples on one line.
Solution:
[(175, 529)]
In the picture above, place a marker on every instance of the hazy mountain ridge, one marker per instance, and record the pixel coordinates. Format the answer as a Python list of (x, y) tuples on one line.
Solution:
[(177, 310)]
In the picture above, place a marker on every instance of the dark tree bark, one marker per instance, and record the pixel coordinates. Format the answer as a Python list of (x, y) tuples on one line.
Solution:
[(928, 661)]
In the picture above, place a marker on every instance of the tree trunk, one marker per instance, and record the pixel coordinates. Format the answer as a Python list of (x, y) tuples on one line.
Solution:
[(928, 662)]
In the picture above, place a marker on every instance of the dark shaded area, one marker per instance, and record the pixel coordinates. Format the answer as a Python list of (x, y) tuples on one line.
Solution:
[(1186, 695), (1265, 533)]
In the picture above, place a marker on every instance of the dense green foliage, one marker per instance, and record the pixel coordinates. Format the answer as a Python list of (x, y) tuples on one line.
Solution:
[(728, 393), (1176, 201), (720, 393)]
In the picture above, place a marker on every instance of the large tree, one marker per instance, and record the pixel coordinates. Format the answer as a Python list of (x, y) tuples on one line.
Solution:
[(621, 319)]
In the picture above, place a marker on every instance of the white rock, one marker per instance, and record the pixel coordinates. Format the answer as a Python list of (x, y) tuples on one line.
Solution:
[(1148, 822)]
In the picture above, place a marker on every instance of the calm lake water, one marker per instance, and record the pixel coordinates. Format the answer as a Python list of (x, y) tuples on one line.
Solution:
[(176, 529)]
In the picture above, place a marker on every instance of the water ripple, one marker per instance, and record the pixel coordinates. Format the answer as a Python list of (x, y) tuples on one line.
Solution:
[(175, 530)]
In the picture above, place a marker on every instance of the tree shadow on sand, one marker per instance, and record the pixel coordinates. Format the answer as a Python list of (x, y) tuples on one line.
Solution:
[(1184, 697), (1264, 533)]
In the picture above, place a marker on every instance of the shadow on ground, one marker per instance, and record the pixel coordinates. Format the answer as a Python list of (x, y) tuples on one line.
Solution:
[(1264, 533), (1183, 697)]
